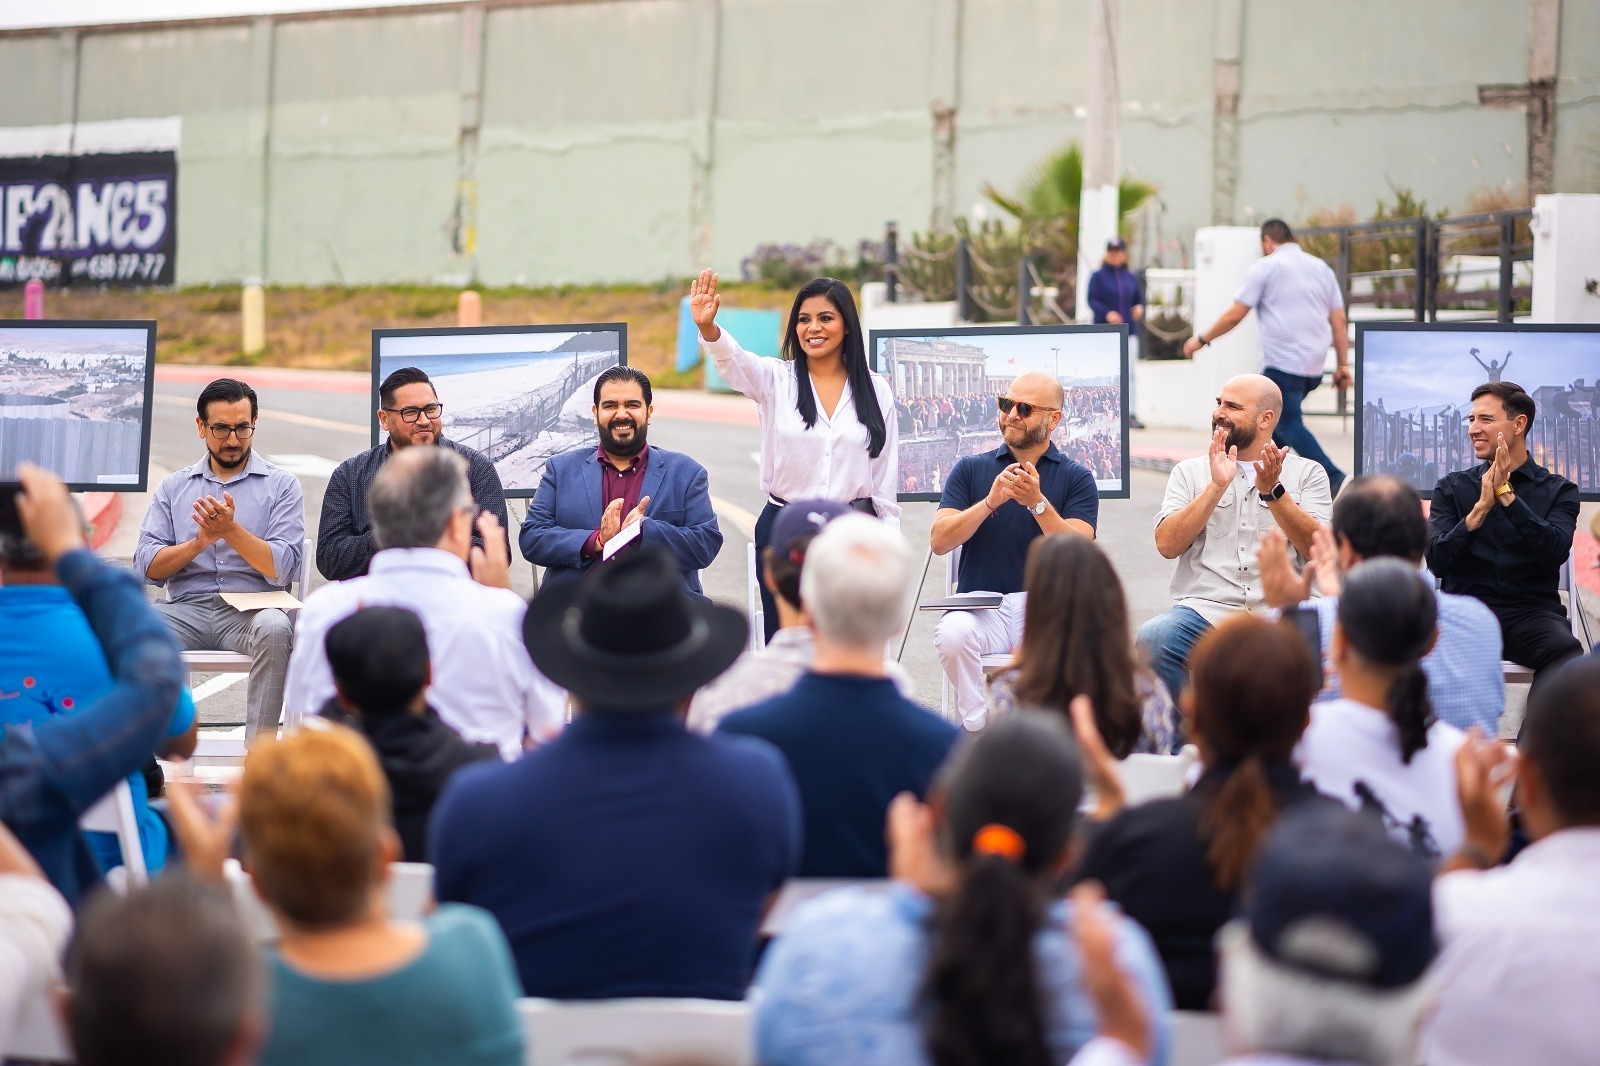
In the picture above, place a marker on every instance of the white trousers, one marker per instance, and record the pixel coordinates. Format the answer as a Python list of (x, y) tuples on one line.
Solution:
[(964, 637)]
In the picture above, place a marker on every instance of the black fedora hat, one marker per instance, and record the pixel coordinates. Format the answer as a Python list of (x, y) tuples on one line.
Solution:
[(629, 635)]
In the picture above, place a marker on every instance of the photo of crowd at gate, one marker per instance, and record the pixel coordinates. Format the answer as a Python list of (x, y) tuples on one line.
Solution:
[(615, 789)]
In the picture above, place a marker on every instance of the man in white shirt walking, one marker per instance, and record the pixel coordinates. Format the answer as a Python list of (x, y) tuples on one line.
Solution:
[(1216, 508), (484, 685), (1520, 965), (1299, 309)]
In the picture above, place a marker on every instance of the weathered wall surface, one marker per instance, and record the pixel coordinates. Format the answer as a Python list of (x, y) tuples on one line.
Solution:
[(570, 141)]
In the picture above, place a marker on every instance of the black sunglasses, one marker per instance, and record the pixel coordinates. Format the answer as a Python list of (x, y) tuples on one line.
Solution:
[(1024, 410)]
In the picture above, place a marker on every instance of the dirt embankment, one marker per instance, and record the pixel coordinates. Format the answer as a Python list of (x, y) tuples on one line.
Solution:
[(330, 328)]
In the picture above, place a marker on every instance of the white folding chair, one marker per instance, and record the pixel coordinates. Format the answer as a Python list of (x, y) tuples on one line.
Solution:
[(114, 813), (1516, 673), (991, 663), (630, 1032), (221, 661), (798, 890), (1196, 1038), (1149, 777), (410, 890), (758, 615)]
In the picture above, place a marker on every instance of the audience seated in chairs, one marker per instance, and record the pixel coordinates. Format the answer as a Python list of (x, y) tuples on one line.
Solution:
[(1520, 970), (349, 984), (851, 739), (1177, 866), (1075, 641), (1327, 963), (54, 770), (628, 856), (771, 671), (379, 658), (166, 974), (1378, 748), (966, 958)]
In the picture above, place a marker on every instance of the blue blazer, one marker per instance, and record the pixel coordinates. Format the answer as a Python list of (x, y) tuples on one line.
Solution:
[(566, 510)]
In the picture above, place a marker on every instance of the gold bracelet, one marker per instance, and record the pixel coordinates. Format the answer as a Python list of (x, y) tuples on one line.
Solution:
[(1503, 489)]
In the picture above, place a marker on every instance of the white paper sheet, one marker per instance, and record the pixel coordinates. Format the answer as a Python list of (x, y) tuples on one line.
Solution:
[(260, 601), (625, 536)]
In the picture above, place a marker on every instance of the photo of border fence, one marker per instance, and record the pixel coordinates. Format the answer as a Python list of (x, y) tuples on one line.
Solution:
[(1414, 383), (946, 382), (518, 394), (75, 398)]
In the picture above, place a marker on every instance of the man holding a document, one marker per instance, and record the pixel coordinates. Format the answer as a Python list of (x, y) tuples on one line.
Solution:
[(594, 503), (231, 523), (994, 505)]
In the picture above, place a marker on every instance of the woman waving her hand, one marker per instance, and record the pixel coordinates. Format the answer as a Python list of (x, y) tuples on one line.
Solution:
[(827, 426)]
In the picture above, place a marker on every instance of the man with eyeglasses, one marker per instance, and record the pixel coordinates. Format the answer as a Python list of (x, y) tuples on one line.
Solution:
[(994, 505), (410, 412), (232, 522)]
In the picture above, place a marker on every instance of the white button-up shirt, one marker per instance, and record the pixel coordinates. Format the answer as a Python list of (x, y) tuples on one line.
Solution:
[(1217, 576), (484, 685), (1520, 960), (1293, 293), (827, 461)]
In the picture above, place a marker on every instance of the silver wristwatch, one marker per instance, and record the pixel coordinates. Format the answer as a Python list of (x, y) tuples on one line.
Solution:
[(1039, 508)]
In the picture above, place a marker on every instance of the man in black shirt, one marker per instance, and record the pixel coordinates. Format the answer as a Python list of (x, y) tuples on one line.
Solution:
[(1501, 530), (410, 412)]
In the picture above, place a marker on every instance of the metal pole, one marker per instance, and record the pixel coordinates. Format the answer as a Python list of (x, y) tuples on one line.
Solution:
[(1419, 266), (963, 280), (1503, 303), (891, 261), (1024, 292), (1433, 273)]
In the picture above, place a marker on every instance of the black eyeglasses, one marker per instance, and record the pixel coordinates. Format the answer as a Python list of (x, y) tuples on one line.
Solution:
[(1024, 410), (222, 432), (411, 414)]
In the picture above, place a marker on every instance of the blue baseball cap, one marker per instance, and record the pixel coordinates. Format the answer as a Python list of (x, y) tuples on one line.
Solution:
[(1334, 895), (800, 518)]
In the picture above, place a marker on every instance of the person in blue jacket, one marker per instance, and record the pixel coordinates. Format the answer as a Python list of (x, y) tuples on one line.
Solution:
[(1115, 296)]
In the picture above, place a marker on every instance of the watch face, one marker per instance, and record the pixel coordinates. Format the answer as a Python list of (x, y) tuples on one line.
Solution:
[(1039, 507)]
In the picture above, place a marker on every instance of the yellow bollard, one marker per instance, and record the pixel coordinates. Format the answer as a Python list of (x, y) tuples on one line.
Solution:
[(253, 311), (469, 308)]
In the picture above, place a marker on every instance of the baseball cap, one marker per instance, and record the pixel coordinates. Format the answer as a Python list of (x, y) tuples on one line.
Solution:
[(1116, 244), (1335, 896), (799, 518)]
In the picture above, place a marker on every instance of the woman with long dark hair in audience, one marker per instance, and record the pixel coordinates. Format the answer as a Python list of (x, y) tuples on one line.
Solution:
[(1378, 747), (966, 958), (1176, 865), (1075, 641), (828, 429)]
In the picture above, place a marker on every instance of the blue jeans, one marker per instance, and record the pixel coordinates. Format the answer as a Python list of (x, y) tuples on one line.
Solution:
[(1167, 640), (1291, 431)]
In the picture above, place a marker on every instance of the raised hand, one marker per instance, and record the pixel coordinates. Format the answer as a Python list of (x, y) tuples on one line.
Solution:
[(913, 854), (1280, 585), (1484, 768), (610, 521), (45, 508), (704, 303), (1123, 1016), (1270, 469), (1325, 558), (491, 564), (1224, 460), (1000, 491), (204, 837), (1099, 765), (637, 514)]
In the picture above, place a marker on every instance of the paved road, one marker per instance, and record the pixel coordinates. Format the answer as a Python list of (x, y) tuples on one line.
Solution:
[(311, 422)]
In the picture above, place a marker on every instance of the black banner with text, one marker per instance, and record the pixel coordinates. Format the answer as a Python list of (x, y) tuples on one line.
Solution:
[(104, 219)]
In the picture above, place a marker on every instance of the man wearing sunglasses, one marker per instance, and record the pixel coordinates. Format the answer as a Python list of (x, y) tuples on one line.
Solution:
[(994, 505), (410, 412), (232, 522)]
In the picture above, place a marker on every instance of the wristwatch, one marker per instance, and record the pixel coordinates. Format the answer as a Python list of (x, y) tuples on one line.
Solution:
[(1276, 494), (1503, 489), (1039, 508)]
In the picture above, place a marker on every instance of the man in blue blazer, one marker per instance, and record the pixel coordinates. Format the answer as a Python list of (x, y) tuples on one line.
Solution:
[(587, 498)]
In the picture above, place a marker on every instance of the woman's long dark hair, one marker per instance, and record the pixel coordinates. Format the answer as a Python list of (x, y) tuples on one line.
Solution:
[(854, 353), (1389, 617), (982, 989), (1251, 682), (1075, 638)]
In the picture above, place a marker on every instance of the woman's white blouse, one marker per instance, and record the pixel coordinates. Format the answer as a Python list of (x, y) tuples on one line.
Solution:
[(827, 461)]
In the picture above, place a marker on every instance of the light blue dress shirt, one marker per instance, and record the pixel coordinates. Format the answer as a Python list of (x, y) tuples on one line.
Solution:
[(267, 501), (841, 985)]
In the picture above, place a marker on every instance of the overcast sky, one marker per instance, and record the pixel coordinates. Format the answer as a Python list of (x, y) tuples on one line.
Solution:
[(25, 14)]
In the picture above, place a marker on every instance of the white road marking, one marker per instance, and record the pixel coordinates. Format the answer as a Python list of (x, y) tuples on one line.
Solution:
[(207, 689), (304, 465), (738, 516)]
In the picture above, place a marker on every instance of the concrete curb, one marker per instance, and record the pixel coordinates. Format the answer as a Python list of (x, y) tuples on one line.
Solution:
[(103, 510)]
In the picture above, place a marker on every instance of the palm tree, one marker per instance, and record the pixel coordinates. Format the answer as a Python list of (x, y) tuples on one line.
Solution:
[(1053, 189)]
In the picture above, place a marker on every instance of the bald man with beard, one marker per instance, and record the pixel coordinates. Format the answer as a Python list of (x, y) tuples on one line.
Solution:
[(1216, 508), (993, 506)]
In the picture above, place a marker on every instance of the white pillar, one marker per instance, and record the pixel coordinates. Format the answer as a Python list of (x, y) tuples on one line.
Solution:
[(1566, 258), (1222, 254), (1097, 223)]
